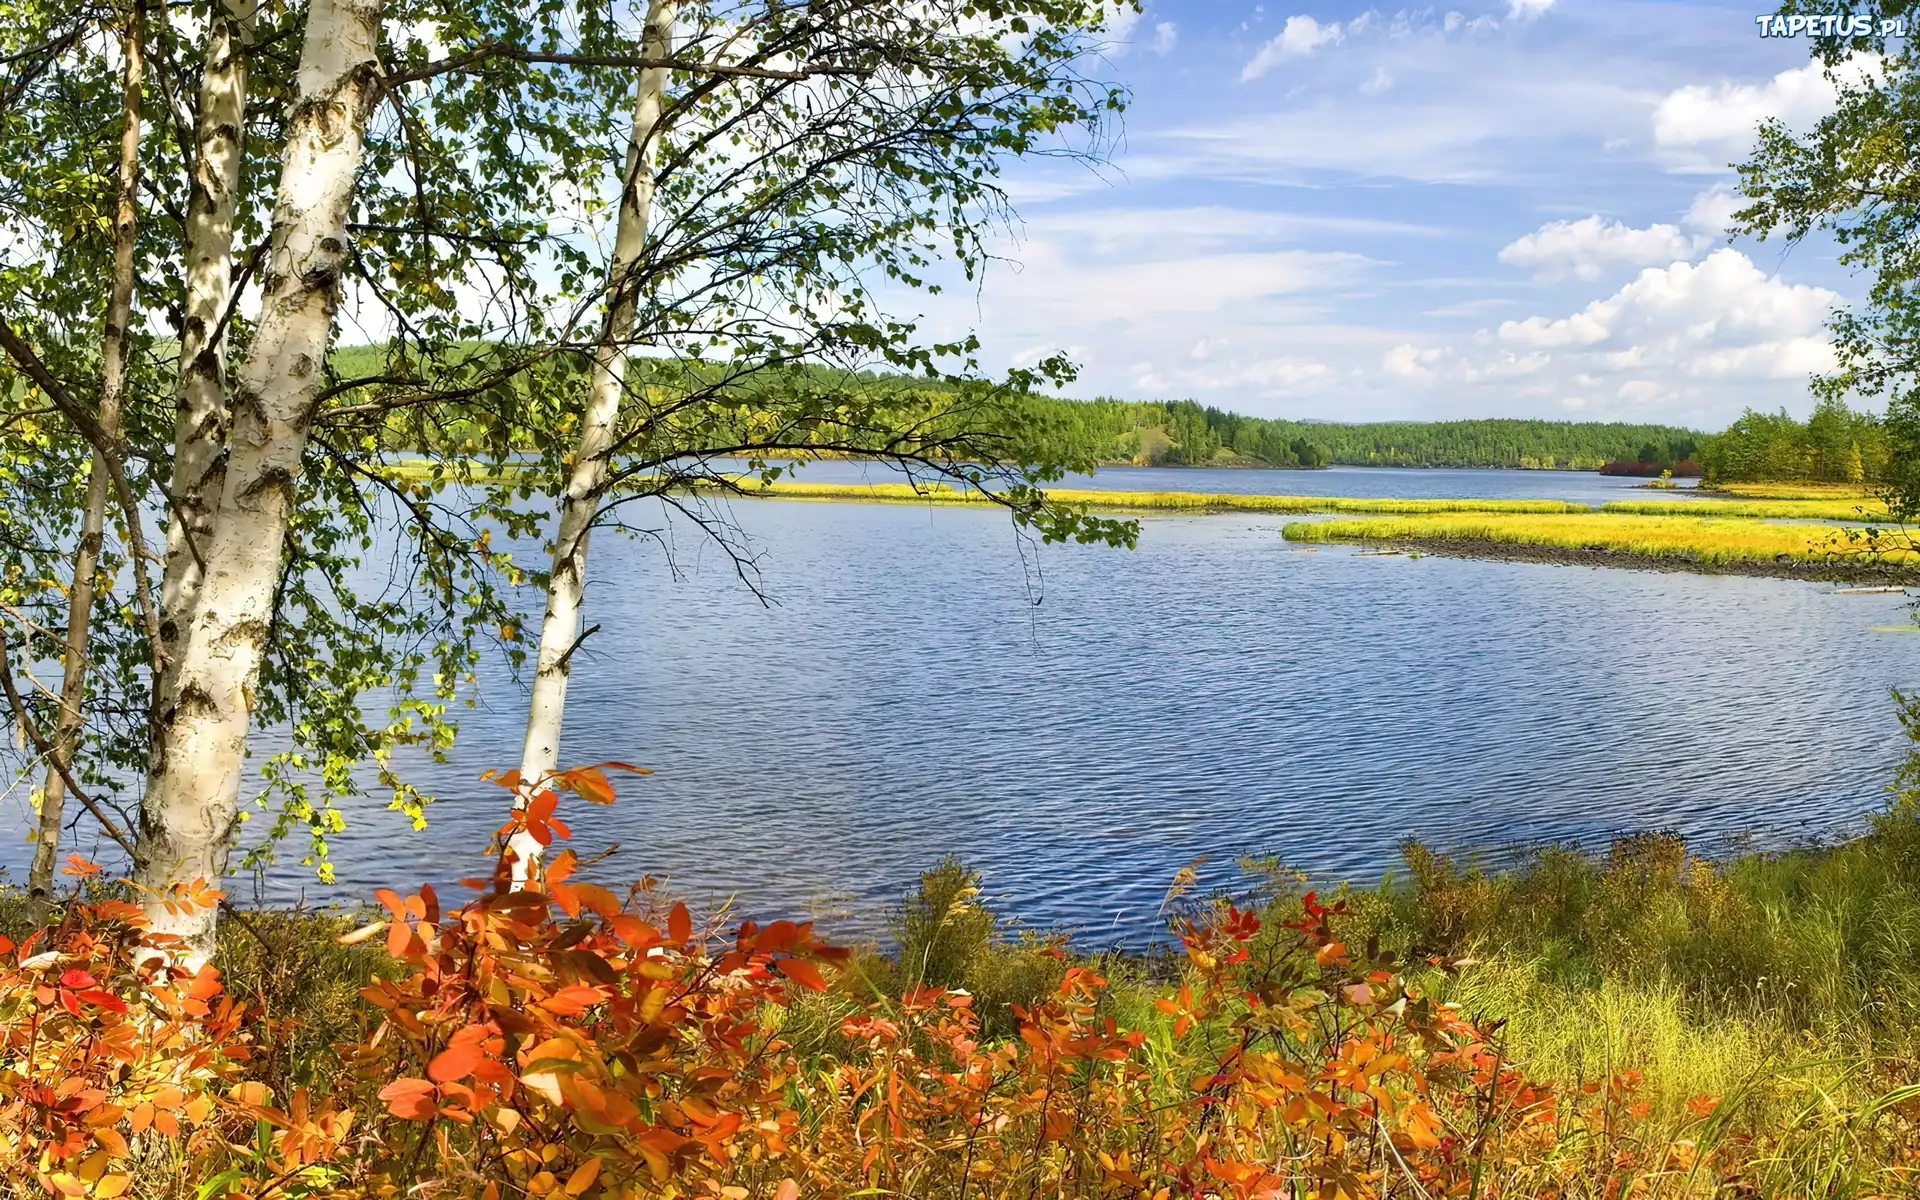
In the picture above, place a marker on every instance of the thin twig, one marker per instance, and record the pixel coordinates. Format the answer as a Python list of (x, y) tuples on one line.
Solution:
[(46, 750)]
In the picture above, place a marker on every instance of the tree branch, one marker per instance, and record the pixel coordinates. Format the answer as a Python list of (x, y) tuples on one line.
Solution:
[(110, 451), (47, 751), (629, 62)]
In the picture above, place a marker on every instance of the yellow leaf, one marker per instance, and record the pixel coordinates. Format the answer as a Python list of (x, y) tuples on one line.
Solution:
[(93, 1166), (112, 1186), (583, 1178)]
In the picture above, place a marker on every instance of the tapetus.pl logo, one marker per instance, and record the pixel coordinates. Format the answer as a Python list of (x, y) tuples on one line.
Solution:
[(1830, 25)]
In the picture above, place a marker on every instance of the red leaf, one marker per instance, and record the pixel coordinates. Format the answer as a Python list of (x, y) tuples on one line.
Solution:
[(74, 977), (106, 1000), (801, 972)]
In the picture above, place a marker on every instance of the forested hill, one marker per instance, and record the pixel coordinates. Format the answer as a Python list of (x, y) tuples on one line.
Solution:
[(1187, 433)]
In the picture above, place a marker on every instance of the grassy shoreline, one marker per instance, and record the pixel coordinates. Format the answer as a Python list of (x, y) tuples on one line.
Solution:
[(1615, 539)]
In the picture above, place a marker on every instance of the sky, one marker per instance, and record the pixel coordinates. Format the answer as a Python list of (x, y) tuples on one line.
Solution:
[(1515, 209)]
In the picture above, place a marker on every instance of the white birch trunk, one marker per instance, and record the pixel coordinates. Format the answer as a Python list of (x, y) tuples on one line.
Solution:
[(540, 753), (187, 815), (201, 401), (86, 559)]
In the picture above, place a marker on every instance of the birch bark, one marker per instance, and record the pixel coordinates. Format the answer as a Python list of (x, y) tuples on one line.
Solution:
[(201, 402), (188, 811), (540, 752), (86, 559)]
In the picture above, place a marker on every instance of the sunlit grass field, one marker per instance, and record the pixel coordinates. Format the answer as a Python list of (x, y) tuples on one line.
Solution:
[(1851, 508), (1692, 539), (1776, 490)]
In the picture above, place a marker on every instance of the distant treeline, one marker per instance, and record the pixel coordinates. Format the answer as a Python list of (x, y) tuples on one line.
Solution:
[(1190, 434), (1835, 445)]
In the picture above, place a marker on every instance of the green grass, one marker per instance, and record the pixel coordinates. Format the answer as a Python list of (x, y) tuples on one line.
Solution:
[(1683, 540)]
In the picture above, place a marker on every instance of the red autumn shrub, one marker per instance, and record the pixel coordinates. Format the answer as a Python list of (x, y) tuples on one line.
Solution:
[(560, 1039), (104, 1047)]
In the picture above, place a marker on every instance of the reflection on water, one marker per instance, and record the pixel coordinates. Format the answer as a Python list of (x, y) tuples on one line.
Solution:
[(1079, 722)]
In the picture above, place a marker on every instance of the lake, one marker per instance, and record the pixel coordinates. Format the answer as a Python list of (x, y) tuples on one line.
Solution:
[(1079, 722)]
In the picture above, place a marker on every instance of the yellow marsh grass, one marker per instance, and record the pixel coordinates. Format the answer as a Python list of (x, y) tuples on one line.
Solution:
[(1850, 509), (901, 493), (1795, 491), (1692, 538)]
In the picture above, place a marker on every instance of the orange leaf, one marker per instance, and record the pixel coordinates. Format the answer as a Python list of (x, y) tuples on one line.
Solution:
[(603, 902), (410, 1099), (572, 1000), (455, 1062), (589, 783), (801, 972), (80, 866), (788, 1190), (583, 1178), (679, 924)]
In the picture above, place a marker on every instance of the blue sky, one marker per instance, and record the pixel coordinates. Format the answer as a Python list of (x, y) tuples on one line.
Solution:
[(1333, 211)]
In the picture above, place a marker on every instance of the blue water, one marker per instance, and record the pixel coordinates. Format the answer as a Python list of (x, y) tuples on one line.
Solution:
[(1078, 722)]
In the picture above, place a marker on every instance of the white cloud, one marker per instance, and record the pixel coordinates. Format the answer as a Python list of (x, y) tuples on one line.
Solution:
[(1301, 36), (1591, 246), (1688, 342), (1119, 28), (1705, 127), (1711, 212), (1376, 83), (1526, 10), (1165, 36), (1718, 318)]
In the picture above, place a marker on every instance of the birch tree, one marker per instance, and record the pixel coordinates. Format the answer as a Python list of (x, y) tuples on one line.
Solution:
[(192, 793), (814, 147), (566, 581)]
